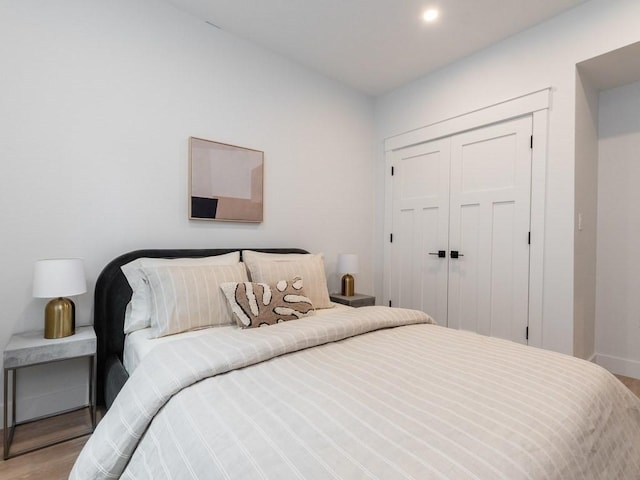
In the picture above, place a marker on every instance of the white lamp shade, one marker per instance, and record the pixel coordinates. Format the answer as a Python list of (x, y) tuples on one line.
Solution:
[(347, 263), (59, 277)]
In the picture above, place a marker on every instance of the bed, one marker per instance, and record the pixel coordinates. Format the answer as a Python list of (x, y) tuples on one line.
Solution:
[(374, 392)]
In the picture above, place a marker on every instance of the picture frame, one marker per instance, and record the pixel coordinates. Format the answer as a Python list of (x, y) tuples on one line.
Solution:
[(226, 182)]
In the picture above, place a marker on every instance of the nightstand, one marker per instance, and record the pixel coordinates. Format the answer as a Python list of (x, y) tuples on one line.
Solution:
[(29, 349), (356, 300)]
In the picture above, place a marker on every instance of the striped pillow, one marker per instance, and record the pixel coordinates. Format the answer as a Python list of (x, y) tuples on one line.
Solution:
[(138, 313), (260, 304), (309, 267), (189, 297)]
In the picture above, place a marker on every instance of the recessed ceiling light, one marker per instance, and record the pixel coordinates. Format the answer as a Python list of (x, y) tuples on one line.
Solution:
[(430, 15)]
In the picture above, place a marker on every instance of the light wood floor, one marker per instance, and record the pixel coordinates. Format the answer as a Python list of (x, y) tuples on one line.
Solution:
[(54, 463), (51, 463), (632, 383)]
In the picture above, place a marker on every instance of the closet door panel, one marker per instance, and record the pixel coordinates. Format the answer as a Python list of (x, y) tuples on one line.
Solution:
[(420, 227), (489, 227), (465, 288), (503, 280)]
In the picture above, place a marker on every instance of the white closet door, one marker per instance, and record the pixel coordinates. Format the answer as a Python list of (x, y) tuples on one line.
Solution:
[(489, 226), (420, 213)]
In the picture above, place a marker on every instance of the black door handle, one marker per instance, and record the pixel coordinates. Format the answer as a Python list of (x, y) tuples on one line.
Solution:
[(440, 253), (456, 254)]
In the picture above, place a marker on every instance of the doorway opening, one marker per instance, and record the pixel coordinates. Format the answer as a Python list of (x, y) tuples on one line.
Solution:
[(607, 216)]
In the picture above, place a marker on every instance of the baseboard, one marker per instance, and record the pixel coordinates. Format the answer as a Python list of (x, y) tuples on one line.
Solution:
[(619, 366)]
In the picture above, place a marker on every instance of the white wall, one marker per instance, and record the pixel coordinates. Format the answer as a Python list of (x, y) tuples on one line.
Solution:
[(585, 225), (543, 56), (618, 261), (97, 102)]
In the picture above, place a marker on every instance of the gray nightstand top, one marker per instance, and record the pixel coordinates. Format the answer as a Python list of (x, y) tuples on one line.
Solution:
[(31, 348), (355, 296), (355, 300)]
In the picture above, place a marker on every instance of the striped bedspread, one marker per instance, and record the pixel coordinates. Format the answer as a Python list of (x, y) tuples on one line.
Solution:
[(374, 393)]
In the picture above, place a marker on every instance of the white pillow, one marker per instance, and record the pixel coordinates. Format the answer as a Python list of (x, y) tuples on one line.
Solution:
[(308, 266), (138, 310), (188, 297)]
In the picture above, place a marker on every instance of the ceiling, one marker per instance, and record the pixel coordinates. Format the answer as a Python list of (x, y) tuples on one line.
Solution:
[(373, 45)]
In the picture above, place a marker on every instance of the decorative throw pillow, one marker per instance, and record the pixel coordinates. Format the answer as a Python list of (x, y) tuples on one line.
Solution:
[(260, 304), (307, 266), (188, 297), (138, 312)]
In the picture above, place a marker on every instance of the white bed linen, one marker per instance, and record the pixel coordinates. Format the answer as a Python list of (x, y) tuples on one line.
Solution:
[(139, 343), (350, 396)]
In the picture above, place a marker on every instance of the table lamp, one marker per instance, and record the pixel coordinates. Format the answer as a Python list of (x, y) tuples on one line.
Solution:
[(348, 264), (58, 278)]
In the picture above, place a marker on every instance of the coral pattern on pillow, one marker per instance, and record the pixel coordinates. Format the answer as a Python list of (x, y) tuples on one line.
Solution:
[(261, 304)]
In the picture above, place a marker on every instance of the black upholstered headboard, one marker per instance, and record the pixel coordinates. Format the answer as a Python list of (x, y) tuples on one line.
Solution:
[(111, 298)]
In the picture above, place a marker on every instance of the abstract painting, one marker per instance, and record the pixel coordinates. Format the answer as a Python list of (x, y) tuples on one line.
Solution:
[(226, 182)]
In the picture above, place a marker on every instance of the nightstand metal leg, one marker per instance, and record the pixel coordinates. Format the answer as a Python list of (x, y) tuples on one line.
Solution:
[(9, 426), (92, 390), (5, 424)]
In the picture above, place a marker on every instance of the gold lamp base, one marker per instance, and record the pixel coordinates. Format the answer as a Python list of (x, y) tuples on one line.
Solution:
[(59, 318), (348, 285)]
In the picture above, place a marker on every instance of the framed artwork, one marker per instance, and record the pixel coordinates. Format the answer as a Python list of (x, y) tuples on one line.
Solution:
[(226, 182)]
